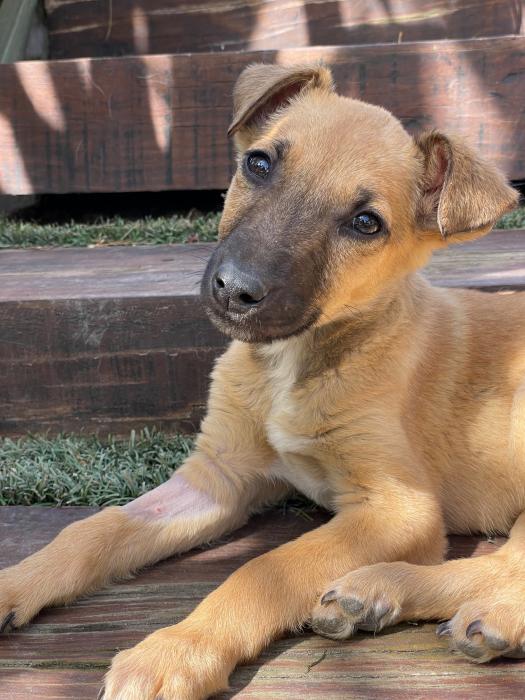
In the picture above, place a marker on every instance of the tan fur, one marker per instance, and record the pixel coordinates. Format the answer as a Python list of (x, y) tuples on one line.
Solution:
[(402, 408)]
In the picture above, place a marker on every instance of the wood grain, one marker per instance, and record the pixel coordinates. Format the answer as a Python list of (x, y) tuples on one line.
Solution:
[(79, 28), (112, 339), (65, 652), (159, 122)]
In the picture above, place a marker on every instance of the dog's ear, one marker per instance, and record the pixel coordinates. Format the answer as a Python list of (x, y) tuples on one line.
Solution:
[(262, 89), (461, 195)]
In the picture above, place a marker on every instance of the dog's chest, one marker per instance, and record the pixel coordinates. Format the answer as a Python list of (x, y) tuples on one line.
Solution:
[(291, 431)]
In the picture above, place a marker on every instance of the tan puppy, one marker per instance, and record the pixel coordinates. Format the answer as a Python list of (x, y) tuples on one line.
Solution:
[(399, 406)]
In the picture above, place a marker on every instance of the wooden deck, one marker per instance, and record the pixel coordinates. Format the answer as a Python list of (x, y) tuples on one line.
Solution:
[(64, 653)]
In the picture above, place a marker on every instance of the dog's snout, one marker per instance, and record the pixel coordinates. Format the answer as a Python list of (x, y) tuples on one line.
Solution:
[(237, 290)]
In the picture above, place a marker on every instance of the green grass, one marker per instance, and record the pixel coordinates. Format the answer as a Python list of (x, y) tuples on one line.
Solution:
[(115, 231), (175, 229), (71, 470), (516, 219)]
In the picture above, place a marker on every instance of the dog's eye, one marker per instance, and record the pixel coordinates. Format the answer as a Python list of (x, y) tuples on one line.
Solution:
[(258, 164), (367, 224)]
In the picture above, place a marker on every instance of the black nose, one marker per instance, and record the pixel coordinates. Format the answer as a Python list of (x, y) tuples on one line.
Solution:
[(237, 290)]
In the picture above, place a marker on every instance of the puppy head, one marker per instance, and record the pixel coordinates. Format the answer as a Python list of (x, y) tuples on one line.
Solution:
[(332, 201)]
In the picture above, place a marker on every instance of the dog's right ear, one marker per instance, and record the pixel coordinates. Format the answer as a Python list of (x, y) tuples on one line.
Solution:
[(262, 89)]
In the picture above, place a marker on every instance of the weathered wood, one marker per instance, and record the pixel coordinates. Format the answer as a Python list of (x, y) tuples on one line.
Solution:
[(97, 28), (159, 122), (110, 339), (65, 652)]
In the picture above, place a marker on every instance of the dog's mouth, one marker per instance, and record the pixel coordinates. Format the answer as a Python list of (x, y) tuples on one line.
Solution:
[(258, 296), (256, 326), (248, 309)]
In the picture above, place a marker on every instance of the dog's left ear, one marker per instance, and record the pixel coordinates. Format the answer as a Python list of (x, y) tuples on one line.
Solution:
[(262, 89), (461, 195)]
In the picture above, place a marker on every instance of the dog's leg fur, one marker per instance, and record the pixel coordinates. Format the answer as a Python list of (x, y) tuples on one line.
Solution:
[(215, 491), (274, 593), (483, 596)]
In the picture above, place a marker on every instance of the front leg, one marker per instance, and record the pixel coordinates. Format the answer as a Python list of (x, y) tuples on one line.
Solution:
[(481, 599), (217, 488), (273, 594)]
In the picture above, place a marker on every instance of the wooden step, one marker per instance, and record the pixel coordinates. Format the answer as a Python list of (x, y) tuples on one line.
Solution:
[(165, 26), (159, 122), (65, 652), (110, 339)]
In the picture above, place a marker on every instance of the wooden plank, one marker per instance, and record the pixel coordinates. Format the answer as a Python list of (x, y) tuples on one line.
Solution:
[(65, 652), (159, 122), (110, 339), (81, 28)]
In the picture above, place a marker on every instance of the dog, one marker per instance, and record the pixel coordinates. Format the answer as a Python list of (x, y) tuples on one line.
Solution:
[(398, 406)]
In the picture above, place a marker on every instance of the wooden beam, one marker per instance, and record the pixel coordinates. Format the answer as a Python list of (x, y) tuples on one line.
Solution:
[(16, 17), (159, 122), (83, 28), (109, 339)]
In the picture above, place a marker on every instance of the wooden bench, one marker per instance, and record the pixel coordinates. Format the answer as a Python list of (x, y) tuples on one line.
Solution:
[(110, 339), (65, 652)]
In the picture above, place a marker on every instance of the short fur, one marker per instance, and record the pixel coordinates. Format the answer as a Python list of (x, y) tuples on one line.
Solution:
[(399, 406)]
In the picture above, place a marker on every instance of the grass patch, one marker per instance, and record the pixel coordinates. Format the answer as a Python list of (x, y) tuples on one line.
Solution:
[(192, 228), (85, 471), (515, 219), (71, 470), (116, 231)]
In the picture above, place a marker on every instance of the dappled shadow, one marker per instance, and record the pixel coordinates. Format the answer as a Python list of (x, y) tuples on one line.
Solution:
[(154, 123), (467, 87)]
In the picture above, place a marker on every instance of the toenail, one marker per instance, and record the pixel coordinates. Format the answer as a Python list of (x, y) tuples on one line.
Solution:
[(101, 693), (443, 629), (328, 597), (473, 628), (351, 605), (8, 619)]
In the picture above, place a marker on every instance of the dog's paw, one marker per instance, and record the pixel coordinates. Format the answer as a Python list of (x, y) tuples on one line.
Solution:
[(482, 630), (366, 599), (17, 605), (167, 665)]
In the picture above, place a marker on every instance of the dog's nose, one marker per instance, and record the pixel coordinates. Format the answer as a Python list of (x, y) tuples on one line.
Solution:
[(237, 290)]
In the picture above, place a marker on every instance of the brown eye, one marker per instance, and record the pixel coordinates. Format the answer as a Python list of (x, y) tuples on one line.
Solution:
[(258, 164), (367, 224)]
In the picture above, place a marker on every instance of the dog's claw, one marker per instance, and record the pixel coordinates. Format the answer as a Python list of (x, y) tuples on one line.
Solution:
[(101, 693), (494, 642), (473, 628), (444, 629), (8, 619), (328, 597)]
